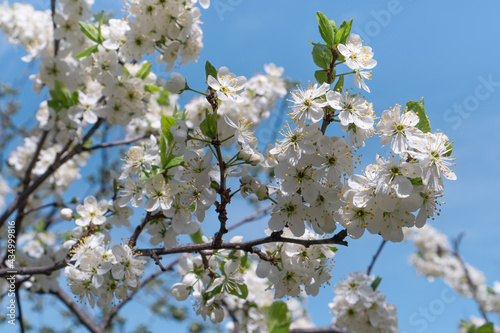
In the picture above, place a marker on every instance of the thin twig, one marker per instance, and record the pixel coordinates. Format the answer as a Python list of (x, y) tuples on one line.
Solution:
[(251, 217), (22, 197), (82, 316), (20, 316), (375, 256)]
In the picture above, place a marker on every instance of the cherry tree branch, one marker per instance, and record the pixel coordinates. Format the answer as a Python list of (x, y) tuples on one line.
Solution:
[(249, 246), (22, 197), (73, 306), (375, 256)]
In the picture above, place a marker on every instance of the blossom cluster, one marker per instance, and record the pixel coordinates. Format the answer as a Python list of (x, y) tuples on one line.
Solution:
[(436, 259), (27, 27), (358, 307), (97, 271)]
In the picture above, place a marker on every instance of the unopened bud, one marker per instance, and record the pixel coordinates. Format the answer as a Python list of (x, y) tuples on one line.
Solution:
[(67, 214)]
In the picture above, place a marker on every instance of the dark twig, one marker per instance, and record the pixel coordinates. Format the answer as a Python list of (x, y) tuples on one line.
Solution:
[(375, 256), (232, 314), (20, 315), (249, 246), (22, 197), (82, 316)]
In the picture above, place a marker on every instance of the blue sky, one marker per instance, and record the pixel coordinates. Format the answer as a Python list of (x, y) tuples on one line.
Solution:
[(447, 52)]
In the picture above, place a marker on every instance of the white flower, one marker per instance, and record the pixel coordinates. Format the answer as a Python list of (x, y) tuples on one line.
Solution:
[(356, 55), (400, 128), (228, 85), (289, 211), (432, 153), (307, 104), (91, 212), (353, 110), (67, 214), (176, 84)]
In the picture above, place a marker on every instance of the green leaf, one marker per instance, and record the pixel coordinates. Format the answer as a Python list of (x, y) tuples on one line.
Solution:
[(209, 125), (376, 282), (61, 97), (152, 88), (164, 98), (322, 56), (449, 147), (418, 107), (90, 31), (334, 26), (210, 70), (166, 123), (67, 235), (99, 36), (279, 318), (163, 149), (416, 181), (175, 161), (144, 71), (486, 328), (491, 291), (196, 237), (321, 76), (325, 29), (346, 33), (339, 34), (87, 144), (340, 84), (243, 289), (87, 52)]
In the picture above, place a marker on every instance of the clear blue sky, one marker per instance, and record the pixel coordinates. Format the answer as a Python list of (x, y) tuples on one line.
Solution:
[(446, 51)]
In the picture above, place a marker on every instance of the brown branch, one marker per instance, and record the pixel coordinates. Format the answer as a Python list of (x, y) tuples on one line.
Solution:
[(56, 41), (138, 230), (471, 284), (249, 246), (22, 198), (375, 256), (82, 316), (117, 143)]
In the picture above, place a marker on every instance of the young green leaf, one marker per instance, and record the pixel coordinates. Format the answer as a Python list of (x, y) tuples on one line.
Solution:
[(87, 52), (144, 71), (210, 70), (486, 328), (90, 31), (321, 76), (325, 29), (163, 149), (279, 318), (166, 123), (196, 237), (322, 56), (152, 88), (418, 107), (339, 85), (376, 282)]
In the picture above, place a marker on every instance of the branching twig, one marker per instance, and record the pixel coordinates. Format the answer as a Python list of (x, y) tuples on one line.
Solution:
[(84, 319), (249, 246), (22, 197), (375, 256)]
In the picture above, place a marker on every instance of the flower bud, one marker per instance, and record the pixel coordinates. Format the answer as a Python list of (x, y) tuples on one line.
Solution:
[(67, 214), (176, 84), (262, 193), (181, 291)]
